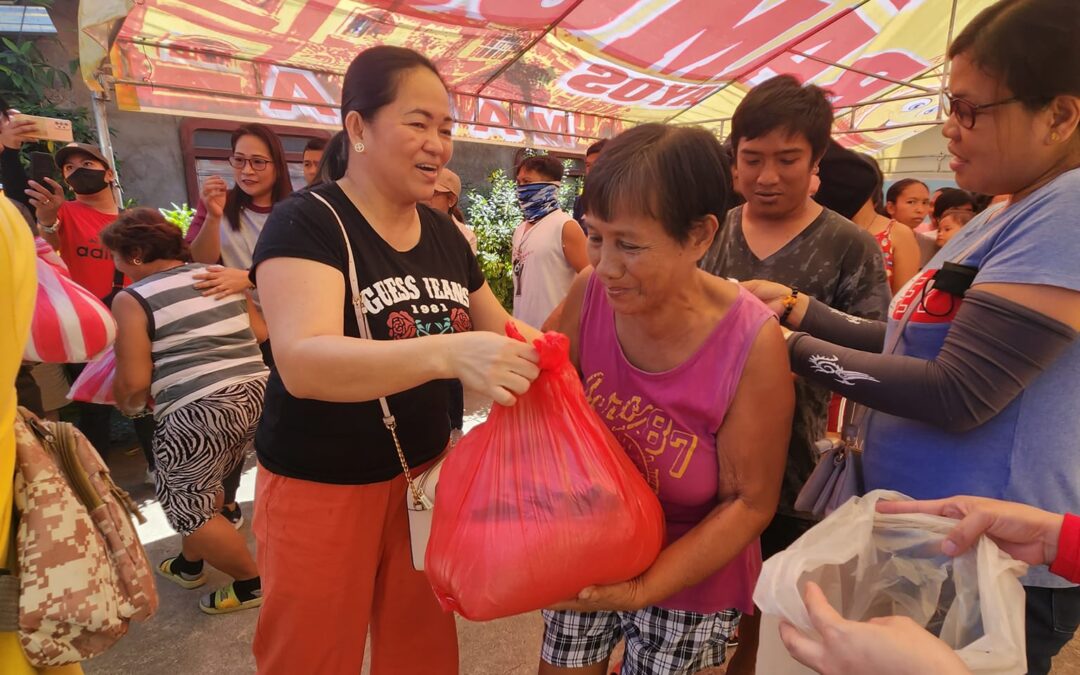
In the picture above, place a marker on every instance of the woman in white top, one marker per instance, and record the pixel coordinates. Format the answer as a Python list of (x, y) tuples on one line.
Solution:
[(232, 221), (234, 217)]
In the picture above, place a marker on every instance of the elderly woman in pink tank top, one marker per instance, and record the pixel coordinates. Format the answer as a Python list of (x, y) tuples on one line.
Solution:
[(689, 372)]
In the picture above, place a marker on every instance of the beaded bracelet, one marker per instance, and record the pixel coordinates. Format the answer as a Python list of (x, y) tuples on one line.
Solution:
[(789, 304)]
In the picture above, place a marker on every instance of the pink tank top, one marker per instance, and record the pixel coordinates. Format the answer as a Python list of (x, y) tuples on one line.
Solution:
[(667, 423)]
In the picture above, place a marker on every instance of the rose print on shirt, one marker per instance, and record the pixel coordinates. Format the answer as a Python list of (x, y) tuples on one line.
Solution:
[(402, 325), (460, 320)]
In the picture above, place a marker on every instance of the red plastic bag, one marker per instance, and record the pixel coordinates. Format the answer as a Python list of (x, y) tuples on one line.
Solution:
[(95, 383), (539, 502)]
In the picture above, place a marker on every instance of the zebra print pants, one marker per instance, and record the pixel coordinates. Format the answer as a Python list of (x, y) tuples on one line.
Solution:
[(197, 445)]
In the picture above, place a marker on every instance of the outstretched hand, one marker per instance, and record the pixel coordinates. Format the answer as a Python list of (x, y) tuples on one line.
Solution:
[(891, 645), (1024, 532)]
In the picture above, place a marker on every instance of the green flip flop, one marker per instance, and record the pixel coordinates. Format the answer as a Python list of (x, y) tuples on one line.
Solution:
[(224, 601)]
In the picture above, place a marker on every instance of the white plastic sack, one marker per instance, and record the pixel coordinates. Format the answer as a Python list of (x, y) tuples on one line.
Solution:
[(873, 565)]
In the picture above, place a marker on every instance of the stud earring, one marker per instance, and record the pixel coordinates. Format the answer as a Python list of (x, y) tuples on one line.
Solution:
[(358, 146), (1054, 138), (136, 261)]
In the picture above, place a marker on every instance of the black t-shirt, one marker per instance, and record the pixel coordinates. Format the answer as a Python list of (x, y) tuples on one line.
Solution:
[(423, 291), (831, 260)]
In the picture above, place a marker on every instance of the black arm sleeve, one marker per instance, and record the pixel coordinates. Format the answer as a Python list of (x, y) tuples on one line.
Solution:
[(994, 349), (13, 176), (832, 325)]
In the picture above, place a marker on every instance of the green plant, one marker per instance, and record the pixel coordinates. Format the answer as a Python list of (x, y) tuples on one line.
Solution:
[(32, 85), (493, 213), (180, 216)]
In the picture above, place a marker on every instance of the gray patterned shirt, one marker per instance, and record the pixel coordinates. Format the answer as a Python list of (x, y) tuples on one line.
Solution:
[(831, 260)]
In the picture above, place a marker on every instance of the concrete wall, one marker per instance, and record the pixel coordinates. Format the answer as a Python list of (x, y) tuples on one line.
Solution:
[(474, 162), (924, 156)]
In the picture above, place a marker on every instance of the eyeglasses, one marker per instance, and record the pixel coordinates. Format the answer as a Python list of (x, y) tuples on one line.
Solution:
[(257, 163), (966, 111)]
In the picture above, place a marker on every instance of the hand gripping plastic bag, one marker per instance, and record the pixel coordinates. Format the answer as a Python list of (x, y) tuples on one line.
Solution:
[(95, 383), (539, 502), (873, 565)]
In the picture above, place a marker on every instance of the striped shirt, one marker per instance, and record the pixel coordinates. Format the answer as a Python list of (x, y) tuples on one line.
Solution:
[(198, 345)]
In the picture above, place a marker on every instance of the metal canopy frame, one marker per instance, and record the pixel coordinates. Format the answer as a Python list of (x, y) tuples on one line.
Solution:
[(790, 47)]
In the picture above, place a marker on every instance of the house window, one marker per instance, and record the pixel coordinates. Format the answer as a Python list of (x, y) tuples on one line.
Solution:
[(205, 145)]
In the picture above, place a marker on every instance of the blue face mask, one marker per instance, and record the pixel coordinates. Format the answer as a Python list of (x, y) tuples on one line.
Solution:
[(538, 199)]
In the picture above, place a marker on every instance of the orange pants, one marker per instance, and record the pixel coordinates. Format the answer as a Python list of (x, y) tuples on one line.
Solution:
[(335, 559)]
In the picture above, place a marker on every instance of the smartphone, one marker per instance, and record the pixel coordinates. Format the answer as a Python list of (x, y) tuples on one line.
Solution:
[(50, 128), (42, 166)]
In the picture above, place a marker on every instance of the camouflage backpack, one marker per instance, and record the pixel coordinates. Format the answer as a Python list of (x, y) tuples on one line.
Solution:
[(81, 574)]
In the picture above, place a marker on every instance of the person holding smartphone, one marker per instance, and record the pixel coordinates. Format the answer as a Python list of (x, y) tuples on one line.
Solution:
[(73, 227)]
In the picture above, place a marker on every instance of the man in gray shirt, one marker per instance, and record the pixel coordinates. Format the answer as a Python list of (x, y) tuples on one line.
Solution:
[(780, 131)]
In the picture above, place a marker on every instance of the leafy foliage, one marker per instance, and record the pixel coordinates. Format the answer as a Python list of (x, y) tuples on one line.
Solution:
[(180, 216), (493, 213), (32, 85)]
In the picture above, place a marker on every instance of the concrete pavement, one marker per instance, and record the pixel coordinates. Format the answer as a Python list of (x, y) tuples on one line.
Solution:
[(181, 640)]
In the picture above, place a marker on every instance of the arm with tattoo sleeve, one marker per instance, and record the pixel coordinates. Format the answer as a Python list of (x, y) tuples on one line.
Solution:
[(994, 349)]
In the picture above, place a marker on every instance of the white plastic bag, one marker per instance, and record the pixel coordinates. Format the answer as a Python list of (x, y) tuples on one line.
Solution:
[(872, 565)]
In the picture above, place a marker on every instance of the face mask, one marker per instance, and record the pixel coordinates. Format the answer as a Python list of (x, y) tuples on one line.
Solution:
[(538, 199), (86, 181)]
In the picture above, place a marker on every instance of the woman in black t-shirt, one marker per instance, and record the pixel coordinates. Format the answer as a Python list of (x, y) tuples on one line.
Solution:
[(330, 520)]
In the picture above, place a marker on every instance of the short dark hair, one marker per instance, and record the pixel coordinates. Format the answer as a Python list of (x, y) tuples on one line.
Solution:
[(236, 199), (878, 197), (951, 198), (783, 103), (847, 180), (675, 175), (1030, 45), (371, 82), (144, 233), (897, 189), (596, 147), (316, 144), (545, 165)]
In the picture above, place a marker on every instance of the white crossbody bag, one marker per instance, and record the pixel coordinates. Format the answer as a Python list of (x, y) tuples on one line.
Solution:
[(420, 498)]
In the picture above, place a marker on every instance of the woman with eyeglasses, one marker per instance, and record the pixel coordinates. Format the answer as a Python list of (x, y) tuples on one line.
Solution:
[(227, 224), (232, 218), (974, 382)]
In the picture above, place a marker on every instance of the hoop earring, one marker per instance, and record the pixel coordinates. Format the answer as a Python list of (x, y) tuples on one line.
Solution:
[(358, 146), (136, 261)]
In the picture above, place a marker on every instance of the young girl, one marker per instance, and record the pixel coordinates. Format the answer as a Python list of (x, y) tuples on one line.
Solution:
[(687, 370), (950, 223)]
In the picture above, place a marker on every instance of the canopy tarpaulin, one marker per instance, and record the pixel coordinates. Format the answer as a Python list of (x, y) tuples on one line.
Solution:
[(549, 73)]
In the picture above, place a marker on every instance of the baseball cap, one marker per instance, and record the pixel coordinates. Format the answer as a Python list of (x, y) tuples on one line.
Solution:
[(72, 148), (448, 181)]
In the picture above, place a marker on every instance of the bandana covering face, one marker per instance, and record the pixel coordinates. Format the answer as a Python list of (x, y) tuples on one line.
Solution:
[(538, 199)]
